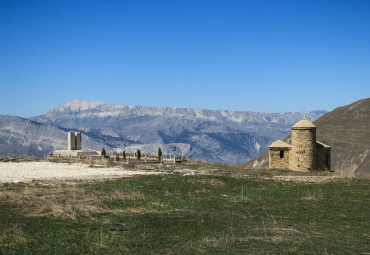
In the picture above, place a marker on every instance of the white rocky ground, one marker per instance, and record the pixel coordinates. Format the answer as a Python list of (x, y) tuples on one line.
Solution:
[(13, 172)]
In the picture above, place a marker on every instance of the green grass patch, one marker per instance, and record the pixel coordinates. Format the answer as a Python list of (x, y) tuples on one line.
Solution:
[(195, 214)]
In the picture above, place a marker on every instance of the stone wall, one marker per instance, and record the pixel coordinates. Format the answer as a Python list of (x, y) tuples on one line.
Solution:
[(303, 156), (279, 158), (323, 158), (74, 153)]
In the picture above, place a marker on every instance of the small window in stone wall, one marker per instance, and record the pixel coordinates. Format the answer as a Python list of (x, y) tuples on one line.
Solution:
[(281, 154)]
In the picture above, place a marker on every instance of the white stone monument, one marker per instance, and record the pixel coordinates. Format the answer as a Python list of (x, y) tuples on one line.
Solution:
[(74, 141)]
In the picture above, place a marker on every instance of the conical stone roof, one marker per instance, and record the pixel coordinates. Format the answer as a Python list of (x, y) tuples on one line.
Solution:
[(280, 144), (304, 124)]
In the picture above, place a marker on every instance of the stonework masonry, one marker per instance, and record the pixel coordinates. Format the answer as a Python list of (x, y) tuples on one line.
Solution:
[(279, 155), (303, 149), (304, 154), (323, 155)]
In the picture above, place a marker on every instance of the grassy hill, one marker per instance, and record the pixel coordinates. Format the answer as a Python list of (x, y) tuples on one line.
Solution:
[(347, 130), (219, 210)]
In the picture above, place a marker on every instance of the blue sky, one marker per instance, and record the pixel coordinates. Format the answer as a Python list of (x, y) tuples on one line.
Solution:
[(265, 56)]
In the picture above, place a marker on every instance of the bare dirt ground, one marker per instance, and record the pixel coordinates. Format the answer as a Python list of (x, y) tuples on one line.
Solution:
[(13, 172)]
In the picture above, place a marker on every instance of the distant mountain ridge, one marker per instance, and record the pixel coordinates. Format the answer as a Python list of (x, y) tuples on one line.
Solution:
[(23, 137), (347, 130), (97, 109), (210, 135)]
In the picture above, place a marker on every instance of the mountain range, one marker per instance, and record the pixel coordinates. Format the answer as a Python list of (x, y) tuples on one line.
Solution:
[(209, 135)]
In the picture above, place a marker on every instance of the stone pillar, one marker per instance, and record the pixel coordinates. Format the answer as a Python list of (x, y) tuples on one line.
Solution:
[(71, 141), (78, 140)]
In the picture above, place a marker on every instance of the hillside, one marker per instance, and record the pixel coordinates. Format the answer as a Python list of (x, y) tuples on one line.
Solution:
[(347, 130), (209, 135), (22, 137)]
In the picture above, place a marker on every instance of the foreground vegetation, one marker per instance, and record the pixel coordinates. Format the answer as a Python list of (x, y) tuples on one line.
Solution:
[(224, 210)]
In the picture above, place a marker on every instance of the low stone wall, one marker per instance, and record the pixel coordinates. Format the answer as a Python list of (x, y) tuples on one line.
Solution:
[(74, 153)]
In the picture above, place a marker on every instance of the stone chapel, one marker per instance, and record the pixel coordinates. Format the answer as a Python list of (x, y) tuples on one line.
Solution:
[(304, 154)]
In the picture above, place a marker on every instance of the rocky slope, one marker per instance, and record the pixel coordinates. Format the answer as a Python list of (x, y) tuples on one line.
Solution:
[(22, 137), (218, 136), (347, 130)]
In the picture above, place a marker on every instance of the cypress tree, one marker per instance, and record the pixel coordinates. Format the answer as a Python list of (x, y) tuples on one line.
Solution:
[(159, 153), (138, 154), (103, 152)]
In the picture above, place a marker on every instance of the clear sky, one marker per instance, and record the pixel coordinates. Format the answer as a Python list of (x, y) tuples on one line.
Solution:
[(265, 56)]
